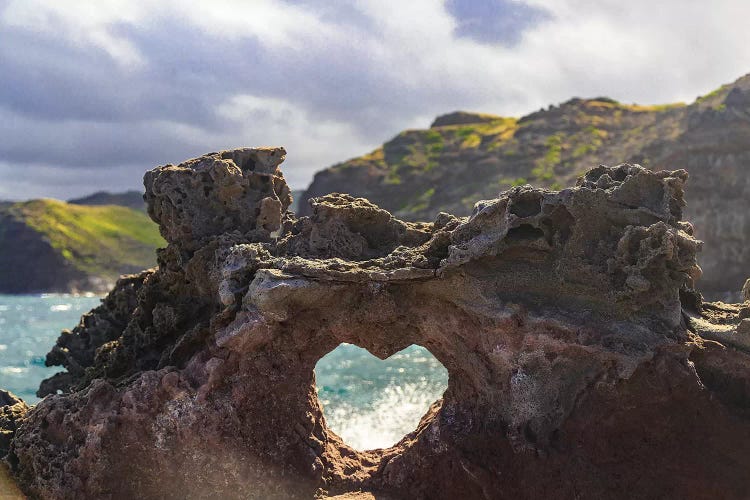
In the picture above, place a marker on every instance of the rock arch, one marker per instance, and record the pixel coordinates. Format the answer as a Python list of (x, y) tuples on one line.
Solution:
[(557, 315)]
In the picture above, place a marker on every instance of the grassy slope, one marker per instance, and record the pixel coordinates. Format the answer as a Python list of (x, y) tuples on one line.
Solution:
[(551, 158), (101, 240)]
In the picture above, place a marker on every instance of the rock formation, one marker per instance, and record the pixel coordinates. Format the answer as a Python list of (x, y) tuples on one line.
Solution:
[(464, 157), (582, 363)]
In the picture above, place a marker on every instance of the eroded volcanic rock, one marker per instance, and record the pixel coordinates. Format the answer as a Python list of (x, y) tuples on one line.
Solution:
[(582, 363)]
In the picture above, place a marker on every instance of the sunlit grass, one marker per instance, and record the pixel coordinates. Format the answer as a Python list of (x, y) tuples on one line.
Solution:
[(95, 239)]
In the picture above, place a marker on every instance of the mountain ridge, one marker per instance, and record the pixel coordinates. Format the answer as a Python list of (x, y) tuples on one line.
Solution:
[(131, 199)]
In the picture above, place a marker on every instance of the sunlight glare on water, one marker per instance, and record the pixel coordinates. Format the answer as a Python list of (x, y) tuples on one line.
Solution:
[(371, 403)]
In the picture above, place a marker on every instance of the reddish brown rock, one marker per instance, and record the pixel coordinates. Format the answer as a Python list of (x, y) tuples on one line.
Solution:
[(575, 370)]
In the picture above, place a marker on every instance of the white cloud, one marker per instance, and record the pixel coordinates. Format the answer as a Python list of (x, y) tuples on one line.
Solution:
[(35, 180), (80, 22), (309, 141), (275, 23)]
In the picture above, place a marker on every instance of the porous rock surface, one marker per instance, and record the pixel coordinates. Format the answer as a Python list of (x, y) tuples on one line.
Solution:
[(582, 363), (12, 412)]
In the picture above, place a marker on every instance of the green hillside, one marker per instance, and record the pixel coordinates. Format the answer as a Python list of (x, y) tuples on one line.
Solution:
[(89, 245)]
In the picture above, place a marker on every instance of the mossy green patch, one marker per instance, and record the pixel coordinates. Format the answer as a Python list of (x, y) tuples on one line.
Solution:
[(471, 141), (544, 167), (422, 202), (716, 93), (413, 152), (603, 103), (434, 142), (656, 107), (587, 141), (465, 131), (392, 177), (432, 136), (376, 155)]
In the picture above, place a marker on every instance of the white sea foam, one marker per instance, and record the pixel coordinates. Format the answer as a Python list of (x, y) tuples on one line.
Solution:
[(394, 414), (13, 370)]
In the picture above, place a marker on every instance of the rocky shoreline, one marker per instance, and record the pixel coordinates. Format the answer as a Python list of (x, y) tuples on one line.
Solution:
[(582, 361)]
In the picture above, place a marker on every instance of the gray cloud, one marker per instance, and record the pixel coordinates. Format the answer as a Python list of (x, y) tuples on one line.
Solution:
[(495, 21), (95, 94)]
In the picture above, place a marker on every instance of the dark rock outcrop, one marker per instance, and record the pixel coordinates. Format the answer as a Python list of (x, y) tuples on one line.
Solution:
[(12, 412), (462, 118), (582, 363), (75, 350), (239, 191)]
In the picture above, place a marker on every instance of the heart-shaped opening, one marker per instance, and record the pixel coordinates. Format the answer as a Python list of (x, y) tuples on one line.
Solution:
[(372, 403)]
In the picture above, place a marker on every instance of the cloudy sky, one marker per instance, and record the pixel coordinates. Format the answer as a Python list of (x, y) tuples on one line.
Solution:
[(95, 92)]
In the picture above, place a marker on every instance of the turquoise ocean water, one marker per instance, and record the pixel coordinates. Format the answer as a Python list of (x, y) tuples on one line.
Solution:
[(368, 402), (29, 327)]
